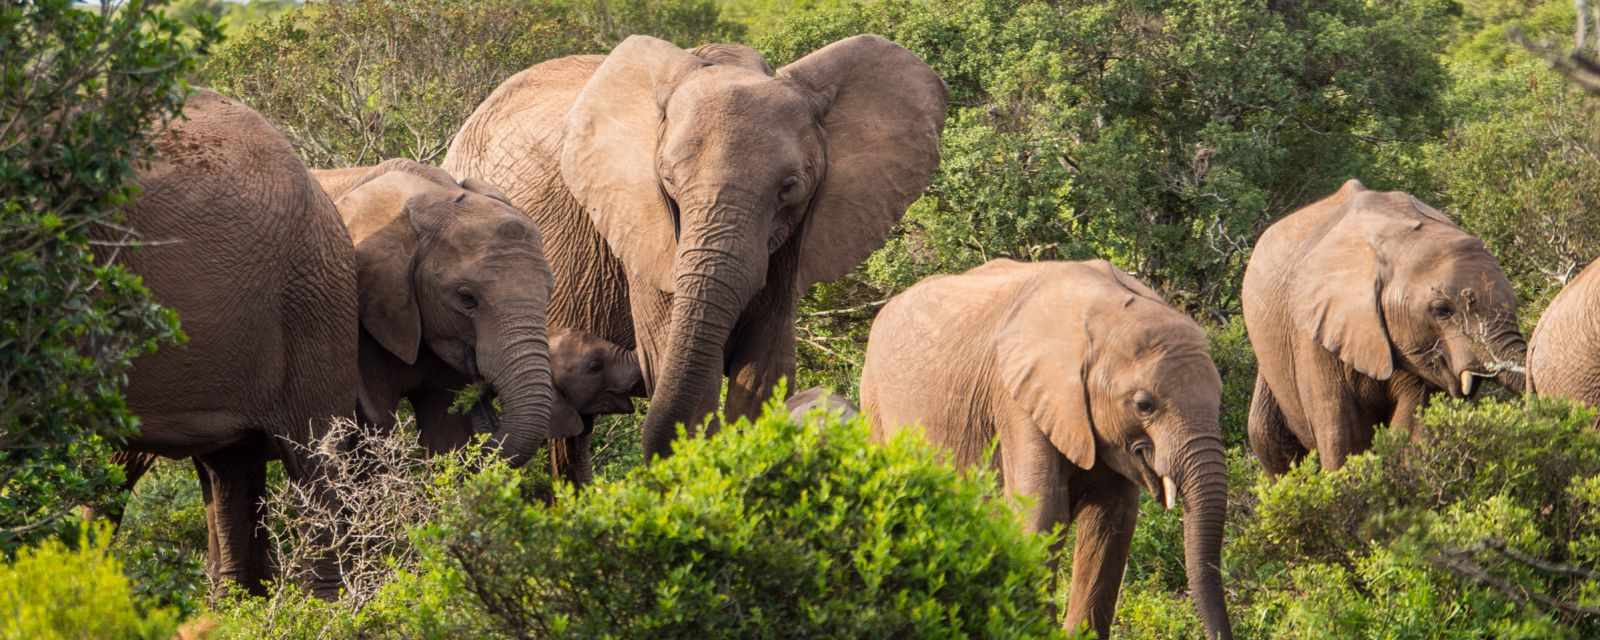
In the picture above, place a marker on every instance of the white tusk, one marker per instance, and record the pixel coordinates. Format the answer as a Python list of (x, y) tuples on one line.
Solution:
[(1170, 488), (1468, 381)]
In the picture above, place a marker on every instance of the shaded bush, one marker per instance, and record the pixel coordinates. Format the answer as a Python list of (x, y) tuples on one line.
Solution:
[(52, 591), (162, 539)]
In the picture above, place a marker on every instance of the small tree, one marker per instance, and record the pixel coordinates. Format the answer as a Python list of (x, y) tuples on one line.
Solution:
[(82, 92)]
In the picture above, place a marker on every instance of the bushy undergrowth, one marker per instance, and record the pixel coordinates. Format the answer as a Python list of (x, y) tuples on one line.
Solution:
[(771, 529), (1479, 527), (53, 591)]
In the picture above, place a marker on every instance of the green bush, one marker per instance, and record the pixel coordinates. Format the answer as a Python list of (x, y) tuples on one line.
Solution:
[(162, 539), (52, 591), (1472, 529), (772, 529), (80, 96)]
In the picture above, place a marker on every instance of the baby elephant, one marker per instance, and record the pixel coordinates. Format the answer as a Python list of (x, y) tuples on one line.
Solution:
[(802, 404), (1093, 386), (593, 376)]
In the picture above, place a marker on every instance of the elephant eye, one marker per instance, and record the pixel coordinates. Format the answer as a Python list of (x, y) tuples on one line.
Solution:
[(787, 188), (1441, 309), (468, 301), (594, 366), (1144, 403)]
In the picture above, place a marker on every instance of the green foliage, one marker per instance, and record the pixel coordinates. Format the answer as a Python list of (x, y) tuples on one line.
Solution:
[(1236, 363), (1452, 534), (1160, 135), (81, 93), (52, 591), (1519, 168), (162, 539)]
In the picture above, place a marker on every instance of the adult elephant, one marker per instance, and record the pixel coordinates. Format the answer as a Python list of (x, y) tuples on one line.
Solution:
[(1094, 388), (689, 197), (453, 288), (1358, 307), (1564, 354), (251, 254)]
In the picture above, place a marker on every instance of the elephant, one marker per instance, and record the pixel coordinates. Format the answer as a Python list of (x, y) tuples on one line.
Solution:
[(251, 254), (593, 376), (453, 288), (689, 197), (1358, 307), (1093, 387), (1562, 355), (801, 404)]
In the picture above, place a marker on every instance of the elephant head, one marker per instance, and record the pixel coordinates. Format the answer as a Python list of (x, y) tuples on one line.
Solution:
[(712, 180), (1132, 388), (457, 271), (594, 375), (1397, 285)]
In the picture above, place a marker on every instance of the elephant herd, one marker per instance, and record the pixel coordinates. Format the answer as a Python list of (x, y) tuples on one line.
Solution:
[(641, 224)]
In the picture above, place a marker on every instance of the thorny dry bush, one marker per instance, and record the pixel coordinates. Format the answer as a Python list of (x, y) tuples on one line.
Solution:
[(383, 484)]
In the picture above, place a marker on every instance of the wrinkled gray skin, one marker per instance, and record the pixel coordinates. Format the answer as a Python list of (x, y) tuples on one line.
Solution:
[(1564, 354), (1358, 307), (594, 377), (453, 287), (1093, 386), (688, 197), (800, 405), (251, 254)]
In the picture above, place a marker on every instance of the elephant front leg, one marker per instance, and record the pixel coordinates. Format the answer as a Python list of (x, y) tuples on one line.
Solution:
[(762, 353), (233, 482), (440, 430), (1270, 439), (1106, 509)]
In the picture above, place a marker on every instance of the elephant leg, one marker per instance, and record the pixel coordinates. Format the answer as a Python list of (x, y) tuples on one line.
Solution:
[(1336, 420), (233, 482), (1106, 509), (440, 430), (1270, 439), (762, 351), (134, 465), (1030, 466)]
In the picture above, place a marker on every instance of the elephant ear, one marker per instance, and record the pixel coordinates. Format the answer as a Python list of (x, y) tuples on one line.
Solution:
[(1046, 372), (609, 148), (1341, 302), (484, 188), (883, 110), (387, 218)]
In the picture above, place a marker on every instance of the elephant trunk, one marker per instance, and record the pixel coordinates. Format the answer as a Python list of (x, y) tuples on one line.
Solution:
[(1203, 484), (517, 366), (715, 280), (1511, 352)]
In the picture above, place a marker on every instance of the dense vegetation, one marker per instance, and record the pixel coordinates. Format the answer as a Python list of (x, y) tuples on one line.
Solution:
[(1163, 135)]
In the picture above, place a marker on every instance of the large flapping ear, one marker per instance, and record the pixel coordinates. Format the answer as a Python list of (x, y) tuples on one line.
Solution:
[(1339, 294), (883, 113), (1043, 362), (387, 217), (609, 150)]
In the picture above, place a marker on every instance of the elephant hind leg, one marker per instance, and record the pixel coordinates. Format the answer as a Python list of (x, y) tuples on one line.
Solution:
[(1270, 438), (233, 482)]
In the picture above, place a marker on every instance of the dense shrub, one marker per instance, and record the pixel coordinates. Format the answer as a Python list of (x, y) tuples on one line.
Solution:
[(162, 538), (52, 591), (772, 529), (81, 94)]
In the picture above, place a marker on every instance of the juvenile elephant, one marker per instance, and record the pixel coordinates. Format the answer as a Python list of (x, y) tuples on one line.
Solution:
[(803, 403), (1358, 307), (1094, 388), (252, 256), (453, 288), (689, 197), (1564, 354)]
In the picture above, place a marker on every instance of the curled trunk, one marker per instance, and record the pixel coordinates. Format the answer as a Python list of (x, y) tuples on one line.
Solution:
[(1512, 350), (519, 372), (1205, 508)]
